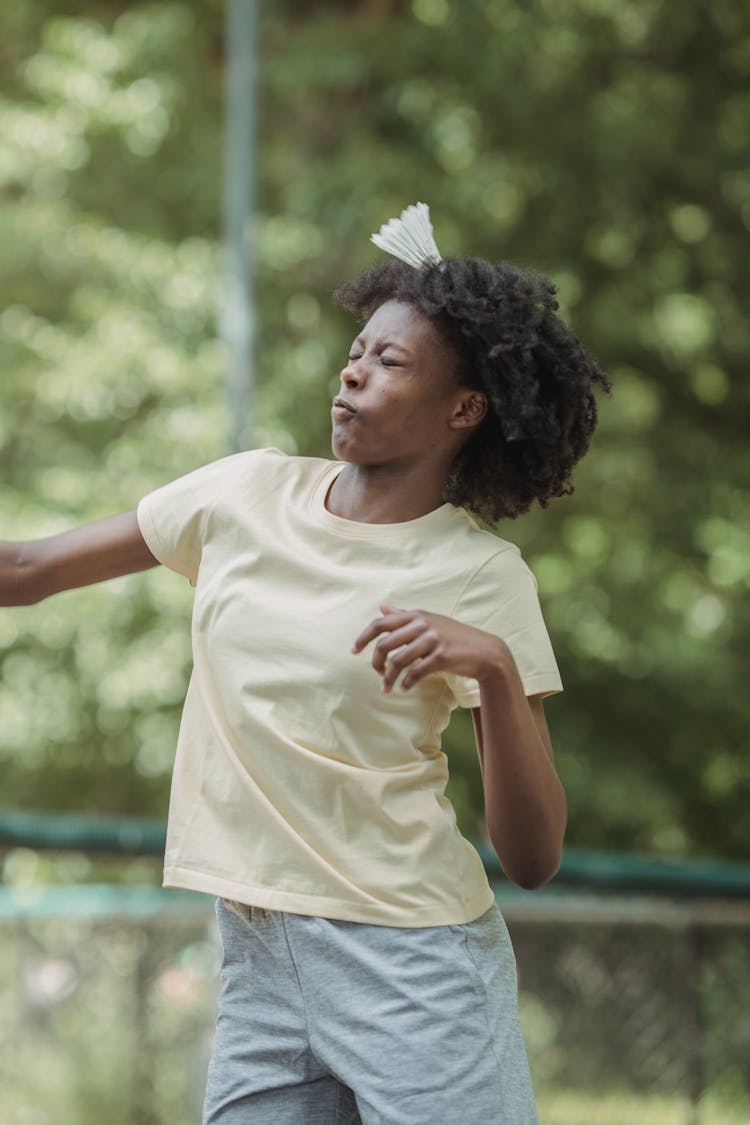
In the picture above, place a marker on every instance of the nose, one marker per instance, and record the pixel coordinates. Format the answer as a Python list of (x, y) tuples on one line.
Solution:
[(353, 375)]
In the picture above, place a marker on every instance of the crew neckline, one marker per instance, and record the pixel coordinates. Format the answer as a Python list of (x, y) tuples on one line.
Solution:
[(443, 516)]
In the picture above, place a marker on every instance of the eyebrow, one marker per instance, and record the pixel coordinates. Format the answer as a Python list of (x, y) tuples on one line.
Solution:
[(385, 344)]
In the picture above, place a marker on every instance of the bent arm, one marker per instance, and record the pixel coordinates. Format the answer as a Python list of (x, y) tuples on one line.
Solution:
[(525, 802), (107, 548)]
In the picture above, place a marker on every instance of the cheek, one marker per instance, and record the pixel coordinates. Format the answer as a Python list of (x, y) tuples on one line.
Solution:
[(425, 411), (406, 416), (412, 398)]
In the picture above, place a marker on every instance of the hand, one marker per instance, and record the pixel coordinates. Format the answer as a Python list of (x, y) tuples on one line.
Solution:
[(423, 643)]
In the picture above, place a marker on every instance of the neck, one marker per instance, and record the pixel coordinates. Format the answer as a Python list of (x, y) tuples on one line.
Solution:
[(383, 494)]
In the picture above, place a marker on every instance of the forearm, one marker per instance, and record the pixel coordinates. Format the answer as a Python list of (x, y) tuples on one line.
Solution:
[(17, 577), (525, 802), (108, 548)]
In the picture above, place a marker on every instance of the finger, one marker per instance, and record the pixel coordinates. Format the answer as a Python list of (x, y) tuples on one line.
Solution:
[(378, 626), (420, 669), (390, 641), (419, 649)]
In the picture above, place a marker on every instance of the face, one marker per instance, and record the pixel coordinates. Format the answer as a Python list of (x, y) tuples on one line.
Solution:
[(400, 399)]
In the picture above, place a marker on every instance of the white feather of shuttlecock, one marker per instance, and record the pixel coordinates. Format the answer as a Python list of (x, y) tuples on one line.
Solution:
[(410, 237)]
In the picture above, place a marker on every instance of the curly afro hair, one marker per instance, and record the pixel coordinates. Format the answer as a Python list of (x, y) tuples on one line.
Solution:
[(502, 323)]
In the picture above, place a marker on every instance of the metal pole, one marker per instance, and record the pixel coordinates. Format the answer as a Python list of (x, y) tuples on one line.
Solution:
[(237, 311)]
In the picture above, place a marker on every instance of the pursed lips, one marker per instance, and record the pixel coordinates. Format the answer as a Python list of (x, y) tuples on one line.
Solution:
[(342, 409)]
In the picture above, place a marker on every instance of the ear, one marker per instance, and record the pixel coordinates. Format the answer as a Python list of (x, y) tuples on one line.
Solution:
[(469, 411)]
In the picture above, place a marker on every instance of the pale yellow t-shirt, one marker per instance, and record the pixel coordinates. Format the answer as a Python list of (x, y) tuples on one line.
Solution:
[(298, 785)]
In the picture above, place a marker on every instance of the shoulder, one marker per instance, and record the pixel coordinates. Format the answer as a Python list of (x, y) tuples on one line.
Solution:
[(488, 557), (276, 461), (251, 462), (495, 574), (270, 471), (268, 465)]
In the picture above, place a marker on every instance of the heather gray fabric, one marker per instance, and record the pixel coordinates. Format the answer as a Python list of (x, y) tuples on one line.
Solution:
[(324, 1022)]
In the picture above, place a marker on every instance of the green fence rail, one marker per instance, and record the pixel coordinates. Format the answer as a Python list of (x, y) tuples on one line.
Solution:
[(595, 870), (78, 833)]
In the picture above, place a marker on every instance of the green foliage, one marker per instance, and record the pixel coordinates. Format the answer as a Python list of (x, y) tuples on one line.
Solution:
[(601, 142), (570, 1107), (115, 1016)]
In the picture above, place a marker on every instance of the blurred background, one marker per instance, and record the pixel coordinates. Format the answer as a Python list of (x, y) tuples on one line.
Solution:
[(603, 142)]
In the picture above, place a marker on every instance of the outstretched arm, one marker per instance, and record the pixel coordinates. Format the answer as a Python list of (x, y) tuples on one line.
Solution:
[(32, 570), (524, 800)]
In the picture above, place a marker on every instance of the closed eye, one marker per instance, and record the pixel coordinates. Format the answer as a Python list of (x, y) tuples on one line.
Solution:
[(387, 361)]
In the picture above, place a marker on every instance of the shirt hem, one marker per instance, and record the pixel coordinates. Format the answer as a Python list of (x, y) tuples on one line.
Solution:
[(378, 914), (151, 538), (532, 685)]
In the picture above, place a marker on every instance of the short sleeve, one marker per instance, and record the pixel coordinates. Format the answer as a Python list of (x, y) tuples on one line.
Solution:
[(502, 598), (173, 519)]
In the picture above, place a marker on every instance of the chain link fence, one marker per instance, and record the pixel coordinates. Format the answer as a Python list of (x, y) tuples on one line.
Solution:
[(635, 1007), (642, 998)]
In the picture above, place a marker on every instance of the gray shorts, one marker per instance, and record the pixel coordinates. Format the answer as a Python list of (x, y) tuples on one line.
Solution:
[(323, 1022)]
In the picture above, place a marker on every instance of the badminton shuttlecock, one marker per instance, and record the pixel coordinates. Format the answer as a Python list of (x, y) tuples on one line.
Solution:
[(410, 237)]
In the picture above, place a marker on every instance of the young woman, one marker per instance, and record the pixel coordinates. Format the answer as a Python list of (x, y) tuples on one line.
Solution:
[(342, 610)]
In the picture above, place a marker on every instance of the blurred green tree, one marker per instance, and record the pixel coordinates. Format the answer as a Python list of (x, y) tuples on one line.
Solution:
[(602, 142)]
